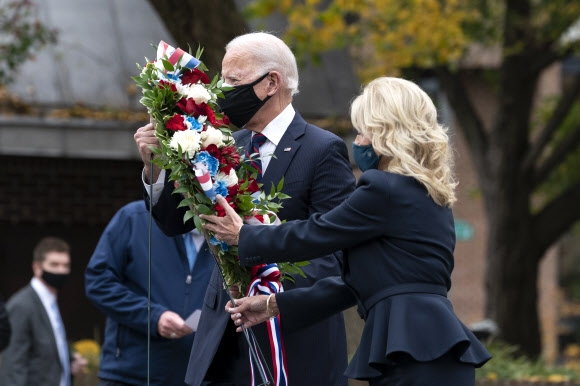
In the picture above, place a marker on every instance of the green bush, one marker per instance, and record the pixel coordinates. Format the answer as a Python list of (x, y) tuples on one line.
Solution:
[(507, 365)]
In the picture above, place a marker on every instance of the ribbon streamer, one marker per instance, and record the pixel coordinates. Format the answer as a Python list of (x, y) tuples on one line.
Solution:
[(204, 177), (176, 56), (266, 281)]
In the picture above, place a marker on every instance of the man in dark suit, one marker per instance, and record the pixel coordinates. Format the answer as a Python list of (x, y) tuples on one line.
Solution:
[(317, 176), (38, 352)]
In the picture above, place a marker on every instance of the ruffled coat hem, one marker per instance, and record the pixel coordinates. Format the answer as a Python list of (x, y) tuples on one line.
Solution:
[(422, 326)]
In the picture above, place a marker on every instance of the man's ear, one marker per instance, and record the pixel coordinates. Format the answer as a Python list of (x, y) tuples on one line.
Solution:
[(274, 82)]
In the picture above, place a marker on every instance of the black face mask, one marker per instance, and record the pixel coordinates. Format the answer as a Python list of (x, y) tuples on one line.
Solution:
[(55, 280), (242, 103)]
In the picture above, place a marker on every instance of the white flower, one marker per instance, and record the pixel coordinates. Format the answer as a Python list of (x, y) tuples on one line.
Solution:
[(189, 140), (230, 179), (211, 135), (197, 92)]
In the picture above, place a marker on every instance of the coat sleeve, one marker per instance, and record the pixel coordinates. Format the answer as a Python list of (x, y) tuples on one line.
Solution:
[(358, 219), (167, 215), (303, 307), (14, 367), (5, 328), (105, 285)]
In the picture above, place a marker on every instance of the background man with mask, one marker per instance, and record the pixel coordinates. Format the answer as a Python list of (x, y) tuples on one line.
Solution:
[(38, 351), (317, 176)]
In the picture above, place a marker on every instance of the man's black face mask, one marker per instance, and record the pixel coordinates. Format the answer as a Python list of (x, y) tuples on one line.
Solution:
[(242, 103)]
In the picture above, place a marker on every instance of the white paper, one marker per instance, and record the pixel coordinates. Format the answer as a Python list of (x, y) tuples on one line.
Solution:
[(193, 320)]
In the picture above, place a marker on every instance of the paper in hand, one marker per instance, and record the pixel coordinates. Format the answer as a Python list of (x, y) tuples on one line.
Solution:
[(193, 320)]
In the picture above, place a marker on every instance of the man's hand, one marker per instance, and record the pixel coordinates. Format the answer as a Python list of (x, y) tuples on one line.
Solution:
[(225, 228), (171, 326), (78, 365), (252, 310), (145, 137)]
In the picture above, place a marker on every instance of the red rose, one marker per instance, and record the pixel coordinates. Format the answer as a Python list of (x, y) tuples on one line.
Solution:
[(208, 112), (193, 76), (220, 211), (233, 190), (231, 155), (223, 121), (176, 123), (187, 105), (252, 186), (165, 84), (214, 151), (226, 169)]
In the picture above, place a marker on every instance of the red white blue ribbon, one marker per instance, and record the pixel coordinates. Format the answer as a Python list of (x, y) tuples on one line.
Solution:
[(266, 281), (204, 178), (176, 55)]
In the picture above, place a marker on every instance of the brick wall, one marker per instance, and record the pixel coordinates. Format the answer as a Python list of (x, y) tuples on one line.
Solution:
[(69, 198)]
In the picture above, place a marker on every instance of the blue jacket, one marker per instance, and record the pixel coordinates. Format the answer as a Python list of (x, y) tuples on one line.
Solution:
[(116, 281)]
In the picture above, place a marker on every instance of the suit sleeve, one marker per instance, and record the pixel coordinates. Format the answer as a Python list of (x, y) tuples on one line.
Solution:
[(15, 359), (167, 215), (5, 328), (303, 307), (106, 287)]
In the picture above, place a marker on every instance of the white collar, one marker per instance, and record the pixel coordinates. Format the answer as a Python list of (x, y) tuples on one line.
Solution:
[(43, 292), (277, 127)]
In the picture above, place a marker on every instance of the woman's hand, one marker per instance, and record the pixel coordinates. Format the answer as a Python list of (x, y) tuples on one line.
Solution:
[(252, 310), (225, 228)]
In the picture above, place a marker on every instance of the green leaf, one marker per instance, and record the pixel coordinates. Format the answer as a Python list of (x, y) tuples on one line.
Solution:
[(167, 65), (197, 222), (204, 209), (188, 215)]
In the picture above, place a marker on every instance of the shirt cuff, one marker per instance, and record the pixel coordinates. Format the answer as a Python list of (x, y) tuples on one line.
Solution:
[(157, 186)]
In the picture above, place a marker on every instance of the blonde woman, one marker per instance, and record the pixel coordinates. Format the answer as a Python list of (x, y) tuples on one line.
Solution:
[(397, 235)]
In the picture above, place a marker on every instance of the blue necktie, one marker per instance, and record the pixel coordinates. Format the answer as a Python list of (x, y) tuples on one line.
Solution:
[(190, 249), (61, 344), (258, 139)]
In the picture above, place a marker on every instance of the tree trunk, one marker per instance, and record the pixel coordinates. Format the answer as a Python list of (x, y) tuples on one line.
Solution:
[(209, 24), (511, 281)]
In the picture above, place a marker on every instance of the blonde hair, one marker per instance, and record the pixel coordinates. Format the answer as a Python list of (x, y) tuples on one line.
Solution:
[(401, 121)]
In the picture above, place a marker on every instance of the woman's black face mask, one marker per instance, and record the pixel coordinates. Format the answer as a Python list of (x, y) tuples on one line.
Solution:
[(242, 103)]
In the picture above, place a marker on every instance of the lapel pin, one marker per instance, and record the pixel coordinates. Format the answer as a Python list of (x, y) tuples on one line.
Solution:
[(287, 148)]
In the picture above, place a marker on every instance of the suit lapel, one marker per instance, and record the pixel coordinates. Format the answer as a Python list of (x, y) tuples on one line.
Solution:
[(44, 319), (285, 151), (243, 139)]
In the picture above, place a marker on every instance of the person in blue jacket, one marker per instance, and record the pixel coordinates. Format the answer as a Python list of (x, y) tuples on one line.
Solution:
[(116, 281), (397, 235)]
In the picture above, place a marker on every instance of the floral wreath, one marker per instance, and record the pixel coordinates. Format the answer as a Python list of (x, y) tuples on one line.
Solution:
[(196, 145)]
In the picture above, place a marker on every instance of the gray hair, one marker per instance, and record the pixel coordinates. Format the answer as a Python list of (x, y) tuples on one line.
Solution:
[(270, 54)]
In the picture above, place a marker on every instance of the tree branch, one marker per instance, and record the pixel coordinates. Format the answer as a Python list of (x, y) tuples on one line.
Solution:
[(559, 154), (560, 113), (466, 115), (211, 24), (555, 218)]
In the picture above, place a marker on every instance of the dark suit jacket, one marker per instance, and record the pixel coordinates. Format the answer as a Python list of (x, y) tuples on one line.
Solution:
[(5, 330), (318, 177), (32, 356)]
